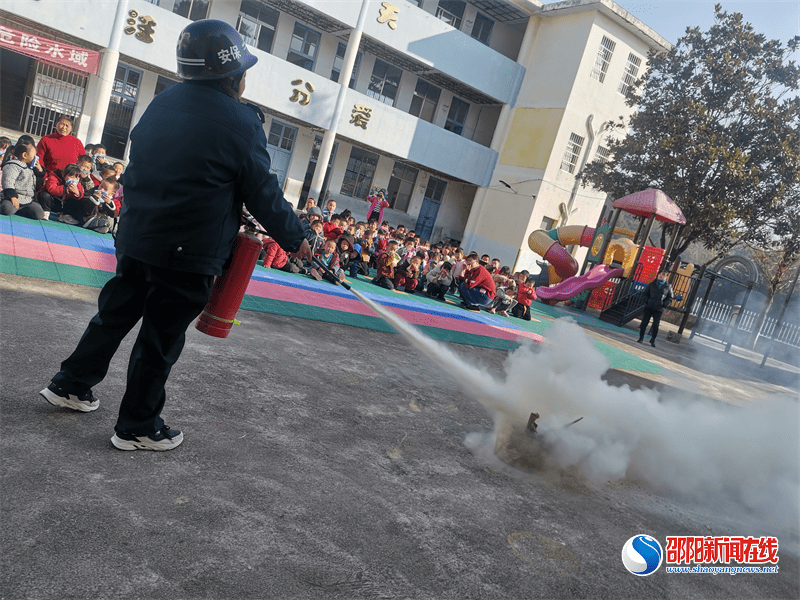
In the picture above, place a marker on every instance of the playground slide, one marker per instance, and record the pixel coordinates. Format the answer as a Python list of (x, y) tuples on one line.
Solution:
[(550, 245), (575, 285)]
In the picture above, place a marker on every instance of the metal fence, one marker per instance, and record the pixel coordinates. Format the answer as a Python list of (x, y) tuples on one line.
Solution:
[(722, 313)]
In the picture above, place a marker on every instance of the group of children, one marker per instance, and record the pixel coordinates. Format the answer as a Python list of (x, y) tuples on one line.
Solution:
[(86, 193), (344, 247)]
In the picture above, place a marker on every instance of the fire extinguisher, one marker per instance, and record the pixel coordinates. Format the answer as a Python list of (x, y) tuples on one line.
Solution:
[(219, 314)]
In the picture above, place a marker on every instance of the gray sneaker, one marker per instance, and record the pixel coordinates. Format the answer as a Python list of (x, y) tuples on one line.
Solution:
[(163, 439), (58, 397), (68, 219)]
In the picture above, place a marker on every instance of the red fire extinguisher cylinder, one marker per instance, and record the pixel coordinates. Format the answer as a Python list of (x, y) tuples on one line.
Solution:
[(219, 314)]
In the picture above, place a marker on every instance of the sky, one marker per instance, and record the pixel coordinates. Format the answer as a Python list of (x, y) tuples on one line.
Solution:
[(776, 19)]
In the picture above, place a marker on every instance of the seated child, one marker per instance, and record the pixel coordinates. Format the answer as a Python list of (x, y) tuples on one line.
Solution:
[(406, 274), (349, 256), (385, 265), (333, 229), (314, 235), (313, 213), (99, 157), (19, 184), (505, 290), (459, 266), (100, 207), (330, 258), (88, 181), (439, 279), (526, 294), (408, 247), (276, 257), (63, 187)]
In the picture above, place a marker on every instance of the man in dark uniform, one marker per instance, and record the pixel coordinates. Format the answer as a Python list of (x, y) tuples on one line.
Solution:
[(177, 228), (658, 294)]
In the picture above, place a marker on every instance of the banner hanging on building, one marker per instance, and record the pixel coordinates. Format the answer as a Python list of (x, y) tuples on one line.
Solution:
[(66, 55)]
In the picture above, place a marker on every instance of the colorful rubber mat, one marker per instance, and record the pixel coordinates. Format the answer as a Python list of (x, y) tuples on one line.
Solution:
[(59, 252)]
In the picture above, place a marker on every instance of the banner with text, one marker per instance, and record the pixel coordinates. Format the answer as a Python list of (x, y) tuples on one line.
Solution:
[(66, 55)]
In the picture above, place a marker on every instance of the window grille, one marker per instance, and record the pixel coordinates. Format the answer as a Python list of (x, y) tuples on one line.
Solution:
[(604, 54), (573, 152)]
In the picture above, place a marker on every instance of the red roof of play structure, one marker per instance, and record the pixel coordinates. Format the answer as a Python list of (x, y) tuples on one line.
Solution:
[(649, 202)]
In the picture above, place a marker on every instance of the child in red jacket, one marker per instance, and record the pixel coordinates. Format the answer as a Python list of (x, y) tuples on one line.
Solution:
[(526, 294), (62, 192), (333, 230), (276, 258)]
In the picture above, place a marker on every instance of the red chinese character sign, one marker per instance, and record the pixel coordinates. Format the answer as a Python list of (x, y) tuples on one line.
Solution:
[(66, 55)]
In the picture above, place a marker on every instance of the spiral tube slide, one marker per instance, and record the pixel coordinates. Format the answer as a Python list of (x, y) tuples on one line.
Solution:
[(550, 245)]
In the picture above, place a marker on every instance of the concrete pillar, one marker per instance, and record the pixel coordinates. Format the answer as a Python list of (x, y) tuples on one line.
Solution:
[(109, 60), (329, 137)]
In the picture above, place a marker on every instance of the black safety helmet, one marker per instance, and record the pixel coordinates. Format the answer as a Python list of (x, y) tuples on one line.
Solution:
[(211, 49)]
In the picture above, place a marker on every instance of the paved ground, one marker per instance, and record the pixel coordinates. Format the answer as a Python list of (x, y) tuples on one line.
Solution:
[(323, 461)]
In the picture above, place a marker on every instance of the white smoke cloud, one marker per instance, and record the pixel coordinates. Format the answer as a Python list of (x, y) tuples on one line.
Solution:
[(701, 449)]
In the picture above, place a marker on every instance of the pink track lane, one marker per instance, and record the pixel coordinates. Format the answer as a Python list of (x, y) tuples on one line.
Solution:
[(273, 291), (101, 261), (57, 253)]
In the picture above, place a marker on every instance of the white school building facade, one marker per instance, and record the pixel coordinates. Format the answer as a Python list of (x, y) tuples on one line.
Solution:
[(475, 116)]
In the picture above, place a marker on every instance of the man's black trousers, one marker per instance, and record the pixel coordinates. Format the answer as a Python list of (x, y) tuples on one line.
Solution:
[(648, 313), (166, 301)]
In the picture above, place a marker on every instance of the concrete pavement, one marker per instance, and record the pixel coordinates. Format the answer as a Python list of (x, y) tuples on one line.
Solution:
[(320, 461)]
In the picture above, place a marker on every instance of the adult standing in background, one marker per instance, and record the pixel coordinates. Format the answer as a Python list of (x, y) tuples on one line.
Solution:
[(657, 295)]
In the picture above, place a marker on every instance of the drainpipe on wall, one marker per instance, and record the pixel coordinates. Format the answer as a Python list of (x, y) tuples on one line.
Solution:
[(566, 210), (108, 69), (344, 80)]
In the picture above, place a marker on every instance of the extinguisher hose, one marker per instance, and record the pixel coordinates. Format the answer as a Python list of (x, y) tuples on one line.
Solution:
[(327, 269), (252, 226)]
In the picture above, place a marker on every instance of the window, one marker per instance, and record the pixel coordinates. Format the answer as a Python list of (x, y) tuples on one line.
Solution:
[(602, 155), (163, 84), (281, 136), (426, 98), (359, 173), (384, 82), (401, 186), (257, 23), (482, 29), (457, 116), (451, 12), (191, 9), (629, 76), (303, 49), (571, 155), (603, 59), (547, 223), (337, 65)]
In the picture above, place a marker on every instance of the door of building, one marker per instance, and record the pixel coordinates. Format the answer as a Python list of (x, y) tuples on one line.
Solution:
[(120, 110), (280, 144), (430, 207), (312, 166)]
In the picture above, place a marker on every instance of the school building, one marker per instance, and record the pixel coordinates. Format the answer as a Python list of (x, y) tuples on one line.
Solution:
[(476, 116)]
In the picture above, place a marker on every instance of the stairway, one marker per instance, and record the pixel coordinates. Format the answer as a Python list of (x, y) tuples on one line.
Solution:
[(622, 310)]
